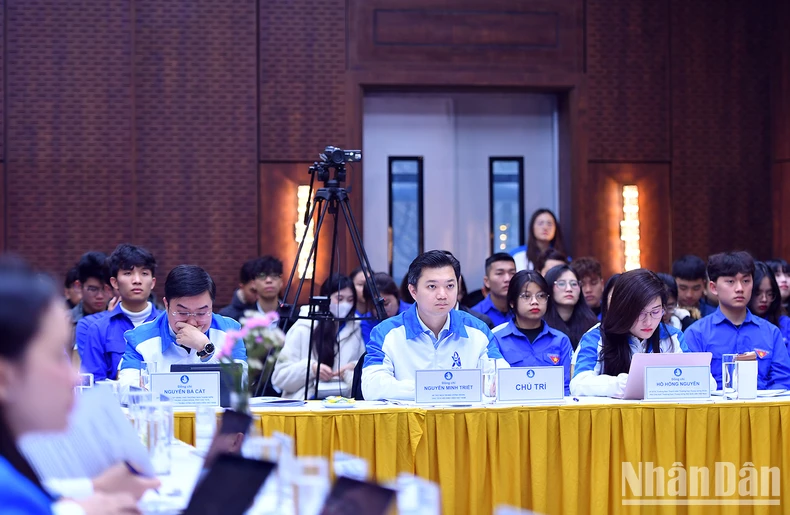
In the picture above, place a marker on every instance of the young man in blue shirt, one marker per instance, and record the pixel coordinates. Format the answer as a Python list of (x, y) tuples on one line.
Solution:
[(690, 276), (732, 329), (96, 293), (500, 268), (186, 332), (100, 339), (431, 334)]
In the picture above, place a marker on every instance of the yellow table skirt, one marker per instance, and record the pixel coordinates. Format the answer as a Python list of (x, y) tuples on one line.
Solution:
[(556, 459)]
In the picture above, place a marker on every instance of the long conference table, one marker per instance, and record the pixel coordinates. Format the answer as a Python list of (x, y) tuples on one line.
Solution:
[(583, 456)]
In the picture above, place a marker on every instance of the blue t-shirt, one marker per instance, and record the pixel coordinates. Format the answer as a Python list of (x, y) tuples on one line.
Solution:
[(19, 496)]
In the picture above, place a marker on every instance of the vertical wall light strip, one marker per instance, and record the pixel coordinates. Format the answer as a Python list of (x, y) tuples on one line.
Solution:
[(629, 227), (302, 193)]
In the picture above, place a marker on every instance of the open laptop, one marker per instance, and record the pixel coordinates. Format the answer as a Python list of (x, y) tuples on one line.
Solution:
[(635, 386), (229, 487), (226, 376)]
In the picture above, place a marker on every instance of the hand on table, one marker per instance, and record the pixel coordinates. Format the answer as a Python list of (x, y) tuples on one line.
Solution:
[(119, 479)]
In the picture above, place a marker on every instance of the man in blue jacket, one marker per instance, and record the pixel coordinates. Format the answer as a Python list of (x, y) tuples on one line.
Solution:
[(187, 332), (100, 340)]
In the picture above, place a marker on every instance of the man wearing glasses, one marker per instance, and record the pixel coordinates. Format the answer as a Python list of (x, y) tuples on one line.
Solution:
[(268, 272), (92, 279), (187, 332)]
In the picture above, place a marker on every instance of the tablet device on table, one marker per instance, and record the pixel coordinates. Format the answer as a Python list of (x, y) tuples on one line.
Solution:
[(635, 386), (353, 497), (229, 487)]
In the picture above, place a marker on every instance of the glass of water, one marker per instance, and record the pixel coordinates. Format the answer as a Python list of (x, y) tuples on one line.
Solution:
[(488, 372), (729, 376), (146, 369)]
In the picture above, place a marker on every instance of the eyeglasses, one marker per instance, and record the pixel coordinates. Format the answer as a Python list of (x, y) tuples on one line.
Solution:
[(95, 290), (656, 313), (187, 314), (273, 277), (562, 284), (540, 297), (769, 295)]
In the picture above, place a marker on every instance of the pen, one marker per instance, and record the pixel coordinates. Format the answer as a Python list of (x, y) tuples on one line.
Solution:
[(137, 473), (575, 399)]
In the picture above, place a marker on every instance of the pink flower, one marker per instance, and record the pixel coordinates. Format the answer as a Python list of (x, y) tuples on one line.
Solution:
[(226, 349)]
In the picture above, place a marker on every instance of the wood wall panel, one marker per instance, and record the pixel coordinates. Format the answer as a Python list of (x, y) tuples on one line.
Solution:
[(628, 77), (780, 113), (653, 181), (720, 127), (69, 161), (527, 35), (196, 134), (302, 78)]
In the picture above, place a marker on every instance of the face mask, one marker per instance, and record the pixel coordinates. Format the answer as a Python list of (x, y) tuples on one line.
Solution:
[(340, 310)]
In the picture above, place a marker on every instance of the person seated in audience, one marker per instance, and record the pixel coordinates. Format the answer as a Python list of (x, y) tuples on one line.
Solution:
[(766, 300), (337, 346), (691, 279), (431, 334), (71, 288), (673, 314), (358, 278), (499, 269), (36, 395), (100, 338), (630, 324), (595, 331), (588, 270), (732, 329), (548, 259), (393, 305), (544, 233), (567, 312), (245, 296), (95, 288), (781, 271), (527, 341), (186, 332), (268, 272), (463, 307)]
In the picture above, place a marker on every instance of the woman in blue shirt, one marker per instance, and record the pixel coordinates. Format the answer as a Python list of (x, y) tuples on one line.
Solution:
[(527, 340), (36, 391), (630, 325), (766, 299)]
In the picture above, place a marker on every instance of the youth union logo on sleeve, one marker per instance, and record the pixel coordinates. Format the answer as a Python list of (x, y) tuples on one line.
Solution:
[(678, 372), (184, 379), (448, 375), (530, 373), (456, 360)]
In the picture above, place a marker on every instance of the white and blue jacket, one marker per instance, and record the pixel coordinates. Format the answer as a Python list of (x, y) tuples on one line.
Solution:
[(588, 376), (403, 344), (155, 341)]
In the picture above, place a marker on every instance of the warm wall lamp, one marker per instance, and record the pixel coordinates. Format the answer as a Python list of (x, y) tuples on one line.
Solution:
[(302, 196), (629, 227)]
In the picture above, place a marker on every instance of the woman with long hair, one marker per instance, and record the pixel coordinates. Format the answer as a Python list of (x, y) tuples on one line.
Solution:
[(544, 233), (567, 311), (632, 323), (37, 392), (766, 301), (526, 340), (337, 345), (781, 271)]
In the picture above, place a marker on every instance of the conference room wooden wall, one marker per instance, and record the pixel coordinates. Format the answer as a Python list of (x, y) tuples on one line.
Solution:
[(186, 125)]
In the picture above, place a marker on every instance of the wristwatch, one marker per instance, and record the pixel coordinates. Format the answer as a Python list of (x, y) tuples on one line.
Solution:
[(207, 350)]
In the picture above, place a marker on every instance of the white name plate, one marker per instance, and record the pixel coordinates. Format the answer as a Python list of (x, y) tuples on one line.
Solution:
[(530, 384), (447, 386), (672, 383), (187, 388)]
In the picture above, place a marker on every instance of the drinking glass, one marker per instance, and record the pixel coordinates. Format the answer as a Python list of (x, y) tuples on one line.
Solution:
[(729, 376), (205, 427), (158, 418), (487, 368), (146, 369), (310, 485)]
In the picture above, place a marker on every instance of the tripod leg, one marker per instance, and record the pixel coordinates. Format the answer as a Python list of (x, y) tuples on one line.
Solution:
[(364, 262), (316, 207)]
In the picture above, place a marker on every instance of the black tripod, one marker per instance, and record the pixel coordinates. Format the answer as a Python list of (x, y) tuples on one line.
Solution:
[(331, 199)]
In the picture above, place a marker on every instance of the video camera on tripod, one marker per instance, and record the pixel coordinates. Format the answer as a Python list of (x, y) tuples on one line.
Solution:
[(332, 198)]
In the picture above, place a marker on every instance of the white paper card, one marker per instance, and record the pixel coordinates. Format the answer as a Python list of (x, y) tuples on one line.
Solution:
[(667, 383), (187, 388), (746, 372), (530, 384), (447, 386)]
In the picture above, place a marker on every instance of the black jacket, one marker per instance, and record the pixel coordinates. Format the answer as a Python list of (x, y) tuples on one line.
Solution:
[(237, 308)]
